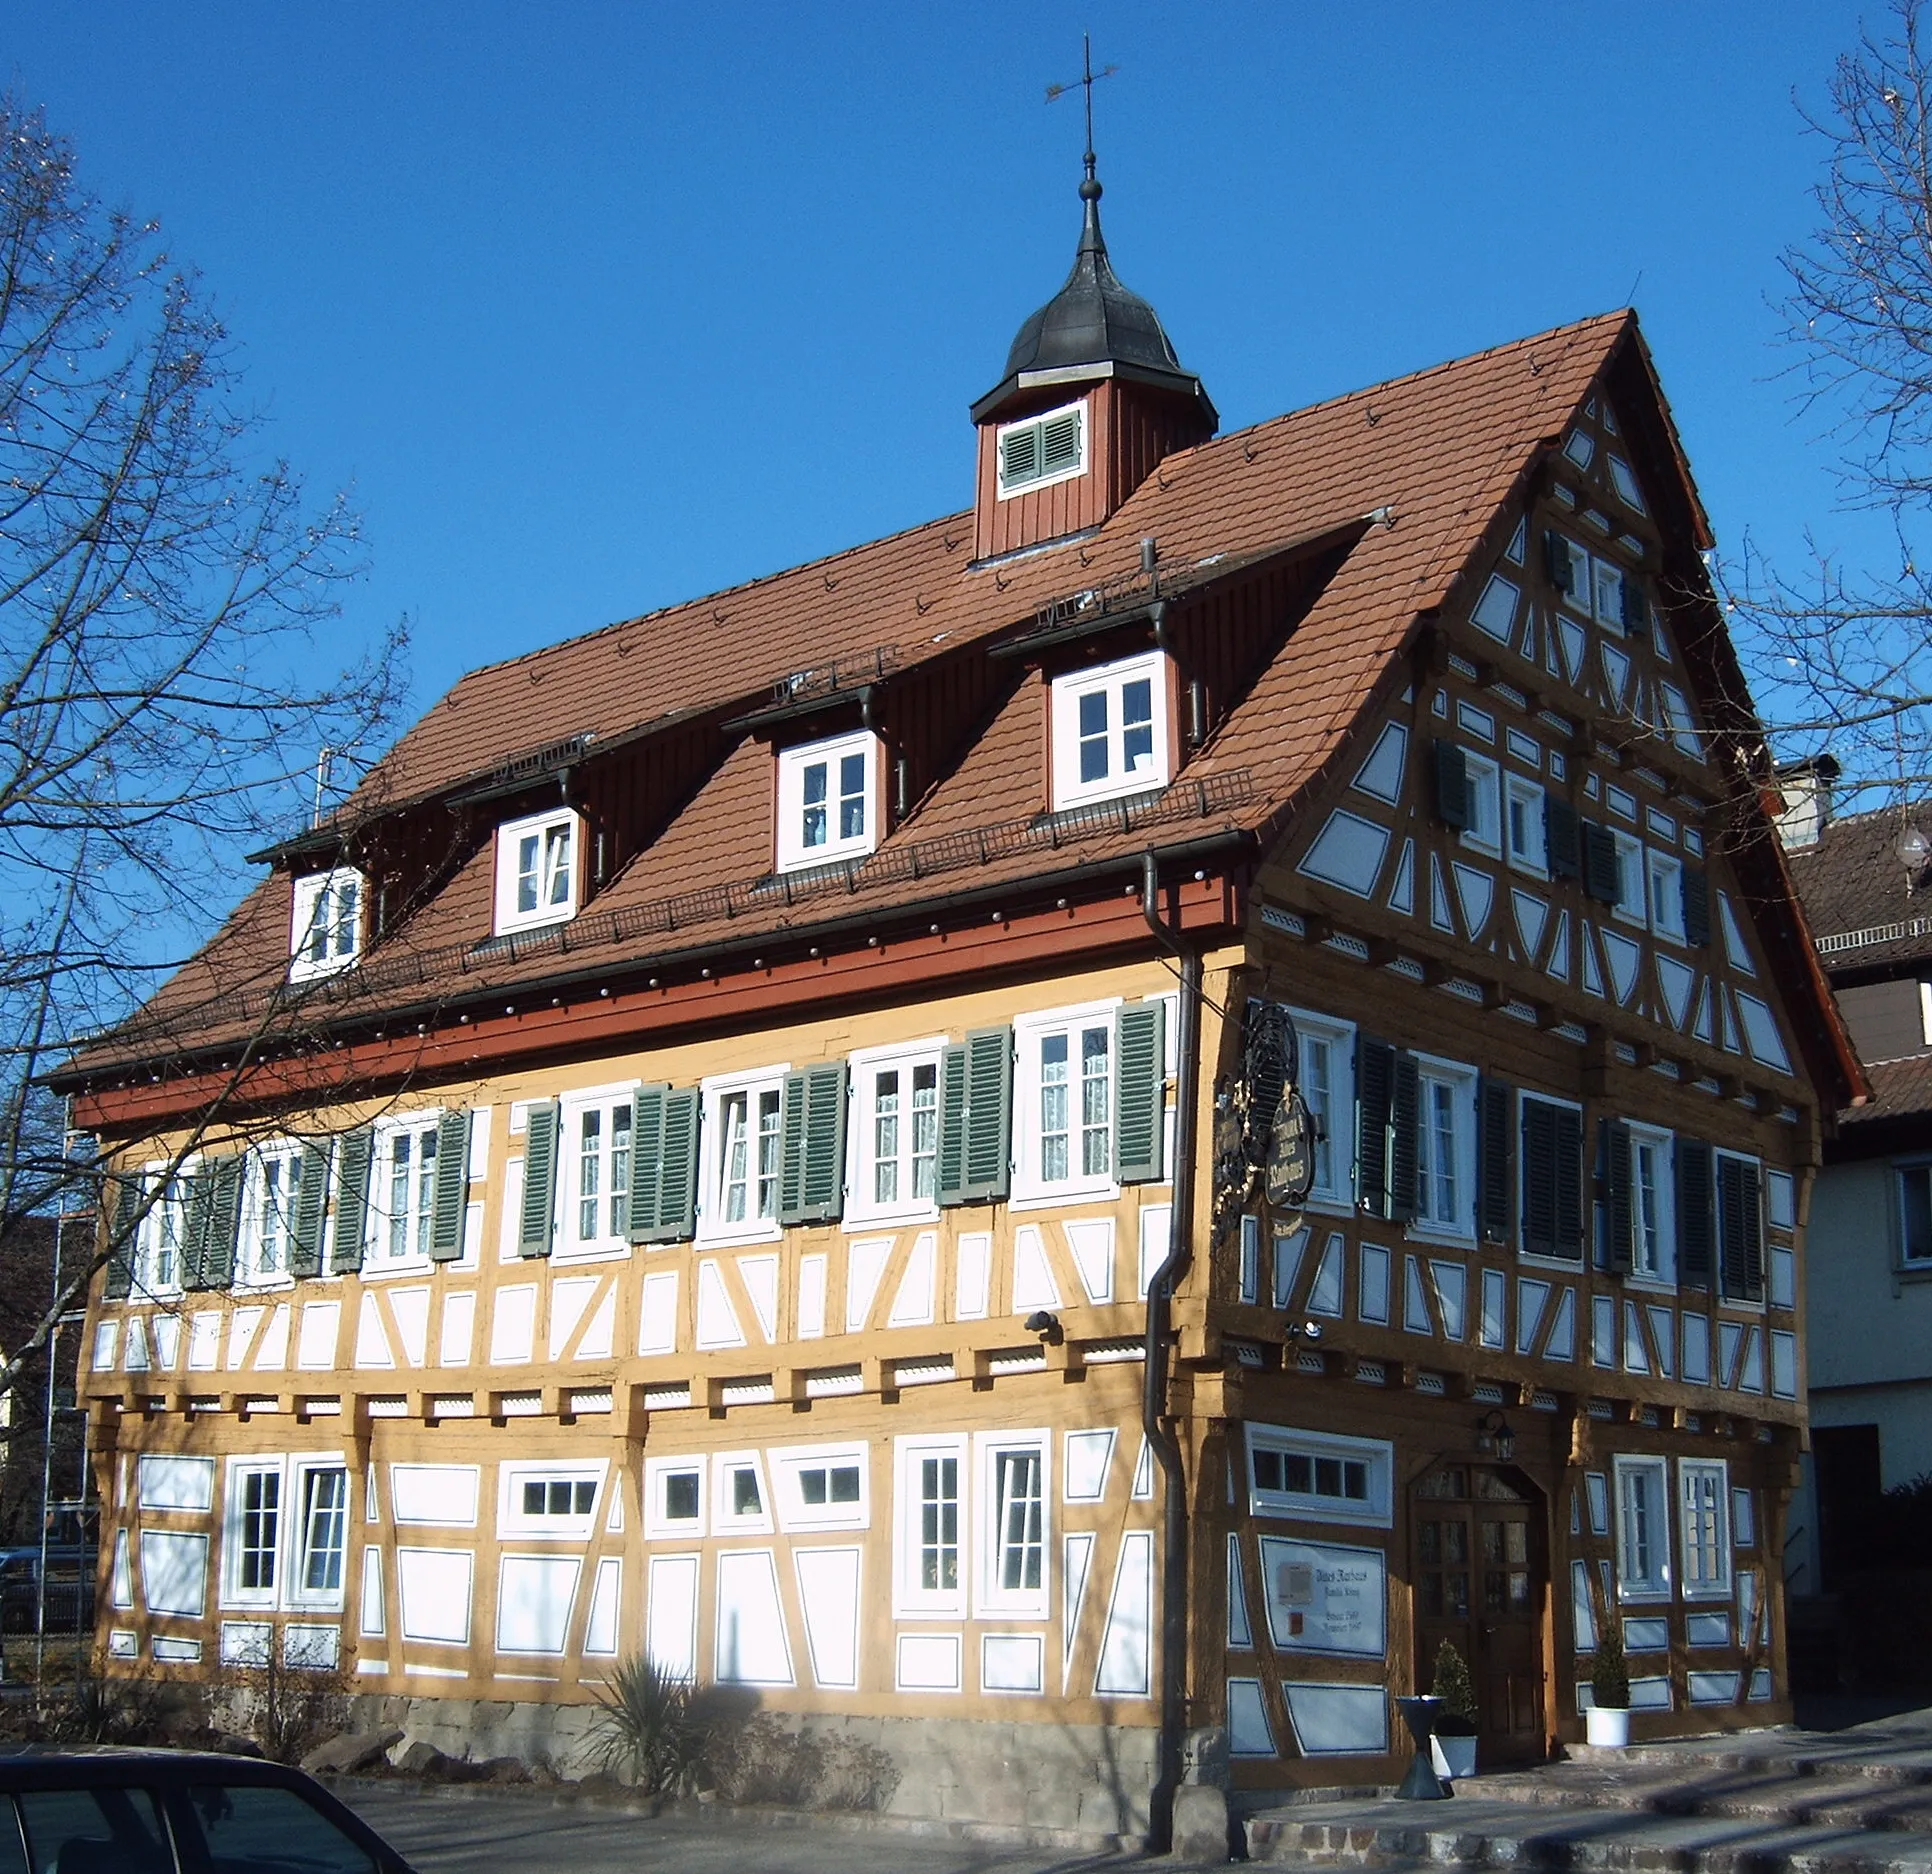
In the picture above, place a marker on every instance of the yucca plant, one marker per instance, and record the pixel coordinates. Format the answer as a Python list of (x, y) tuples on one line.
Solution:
[(648, 1726)]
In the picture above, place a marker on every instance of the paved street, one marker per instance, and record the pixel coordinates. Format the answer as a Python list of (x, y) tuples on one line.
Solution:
[(510, 1832)]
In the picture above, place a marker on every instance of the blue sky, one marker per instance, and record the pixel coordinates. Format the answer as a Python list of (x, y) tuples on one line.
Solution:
[(596, 307)]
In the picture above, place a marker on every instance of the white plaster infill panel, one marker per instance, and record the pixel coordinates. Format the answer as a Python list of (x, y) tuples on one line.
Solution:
[(569, 1297), (1090, 1240), (315, 1339), (928, 1662), (513, 1325), (606, 1596), (973, 1275), (1240, 1628), (174, 1572), (459, 1328), (1348, 852), (435, 1495), (241, 1335), (752, 1645), (176, 1483), (865, 1264), (409, 1309), (759, 1274), (657, 1318), (717, 1317), (372, 1339), (1012, 1662), (1380, 777), (1338, 1720), (271, 1351), (914, 1299), (434, 1588), (1249, 1732), (828, 1594), (535, 1594), (1126, 1656), (1089, 1454), (1033, 1283), (1761, 1034), (671, 1624)]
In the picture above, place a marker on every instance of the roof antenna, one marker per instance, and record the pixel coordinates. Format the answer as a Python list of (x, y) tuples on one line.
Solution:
[(1090, 188)]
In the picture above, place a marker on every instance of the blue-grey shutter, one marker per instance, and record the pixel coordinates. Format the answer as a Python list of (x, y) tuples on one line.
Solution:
[(224, 1179), (1140, 1091), (1568, 1132), (1636, 610), (1452, 784), (1374, 1091), (1562, 837), (1619, 1206), (1559, 561), (351, 1201), (1495, 1180), (537, 1220), (952, 1125), (989, 1113), (311, 1201), (1696, 1214), (647, 1160), (449, 1201), (1405, 1103), (1539, 1178), (119, 1199), (811, 1173), (677, 1187), (1740, 1229), (1599, 862), (1696, 885)]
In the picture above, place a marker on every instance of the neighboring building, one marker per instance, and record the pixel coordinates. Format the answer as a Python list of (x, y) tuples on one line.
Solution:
[(1867, 889), (728, 1083)]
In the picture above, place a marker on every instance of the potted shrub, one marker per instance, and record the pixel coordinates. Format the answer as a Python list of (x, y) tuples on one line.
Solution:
[(1607, 1722), (1454, 1744)]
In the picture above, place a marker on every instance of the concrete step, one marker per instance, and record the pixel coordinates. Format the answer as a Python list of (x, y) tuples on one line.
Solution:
[(1868, 1796)]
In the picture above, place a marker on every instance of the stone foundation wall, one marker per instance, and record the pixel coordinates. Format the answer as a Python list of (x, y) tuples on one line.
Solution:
[(1093, 1779)]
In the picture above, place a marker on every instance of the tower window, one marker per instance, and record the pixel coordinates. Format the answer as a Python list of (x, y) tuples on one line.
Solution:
[(1051, 447)]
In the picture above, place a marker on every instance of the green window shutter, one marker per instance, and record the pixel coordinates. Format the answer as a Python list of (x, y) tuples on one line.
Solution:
[(1740, 1229), (1405, 1106), (677, 1190), (1696, 884), (351, 1201), (1636, 612), (1374, 1091), (811, 1176), (1539, 1178), (311, 1201), (1751, 1198), (1569, 1184), (538, 1218), (647, 1160), (1599, 862), (952, 1126), (1619, 1210), (224, 1220), (1495, 1186), (118, 1199), (989, 1114), (1452, 784), (1562, 837), (196, 1194), (450, 1200), (1696, 1221), (1140, 1091)]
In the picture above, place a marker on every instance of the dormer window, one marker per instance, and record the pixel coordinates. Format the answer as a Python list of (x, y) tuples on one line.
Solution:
[(1043, 449), (828, 800), (325, 927), (1110, 731), (536, 871)]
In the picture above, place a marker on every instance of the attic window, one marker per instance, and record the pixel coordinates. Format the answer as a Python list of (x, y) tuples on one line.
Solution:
[(828, 800), (1110, 731), (536, 871), (1044, 449), (325, 927)]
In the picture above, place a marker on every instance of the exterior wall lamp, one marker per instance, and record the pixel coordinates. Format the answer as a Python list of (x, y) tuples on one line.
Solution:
[(1494, 1438)]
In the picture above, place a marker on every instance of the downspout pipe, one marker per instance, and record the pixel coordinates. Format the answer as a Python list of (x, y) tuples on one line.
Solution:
[(1153, 1406)]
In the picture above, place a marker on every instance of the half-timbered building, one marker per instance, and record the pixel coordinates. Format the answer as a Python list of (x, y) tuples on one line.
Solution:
[(1065, 1139)]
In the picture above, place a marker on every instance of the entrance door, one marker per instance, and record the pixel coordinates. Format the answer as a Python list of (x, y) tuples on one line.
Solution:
[(1481, 1579)]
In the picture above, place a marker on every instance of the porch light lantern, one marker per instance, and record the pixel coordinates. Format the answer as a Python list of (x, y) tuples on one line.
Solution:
[(1494, 1438)]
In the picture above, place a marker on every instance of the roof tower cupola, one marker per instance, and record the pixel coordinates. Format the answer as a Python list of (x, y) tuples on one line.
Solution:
[(1093, 396)]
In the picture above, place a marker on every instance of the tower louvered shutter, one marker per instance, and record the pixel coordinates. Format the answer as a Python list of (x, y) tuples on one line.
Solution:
[(536, 1221), (311, 1203), (223, 1216), (1495, 1188), (119, 1199), (1452, 784), (1697, 905), (450, 1199), (1140, 1085), (975, 1117), (1374, 1090), (1060, 443), (1562, 837), (351, 1202), (1599, 862), (811, 1177), (1696, 1220), (1405, 1103), (1020, 455), (1740, 1229), (1619, 1210)]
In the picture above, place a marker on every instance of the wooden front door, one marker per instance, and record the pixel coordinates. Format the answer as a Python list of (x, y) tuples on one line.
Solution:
[(1481, 1578)]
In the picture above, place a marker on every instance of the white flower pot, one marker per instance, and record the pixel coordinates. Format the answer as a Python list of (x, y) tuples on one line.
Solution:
[(1455, 1757), (1607, 1726)]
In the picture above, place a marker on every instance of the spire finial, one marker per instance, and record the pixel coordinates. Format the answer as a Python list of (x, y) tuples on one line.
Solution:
[(1090, 185)]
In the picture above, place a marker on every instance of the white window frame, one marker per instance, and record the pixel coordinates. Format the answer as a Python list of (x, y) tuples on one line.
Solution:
[(1664, 882), (1661, 1145), (718, 1092), (1031, 1033), (1483, 797), (1649, 1476), (164, 1227), (911, 1599), (1920, 1169), (508, 838), (613, 1180), (318, 942), (992, 1598), (267, 1219), (300, 1524), (1009, 489), (1606, 578), (1532, 856), (513, 1521), (794, 765), (377, 1258), (1336, 1192), (659, 1524), (726, 1518), (1696, 1521), (1459, 1081), (862, 1207), (789, 1467), (233, 1592), (1631, 871), (1064, 700), (1584, 600), (1376, 1510)]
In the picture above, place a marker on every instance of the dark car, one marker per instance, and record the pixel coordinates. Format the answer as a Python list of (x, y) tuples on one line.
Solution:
[(176, 1812)]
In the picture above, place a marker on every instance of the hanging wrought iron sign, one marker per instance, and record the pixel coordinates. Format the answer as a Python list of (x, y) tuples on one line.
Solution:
[(1291, 1153)]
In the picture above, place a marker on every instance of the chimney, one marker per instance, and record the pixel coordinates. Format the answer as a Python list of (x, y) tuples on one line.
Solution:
[(1805, 788)]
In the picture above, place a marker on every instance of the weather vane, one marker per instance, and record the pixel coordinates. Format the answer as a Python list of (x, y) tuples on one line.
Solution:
[(1086, 81)]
